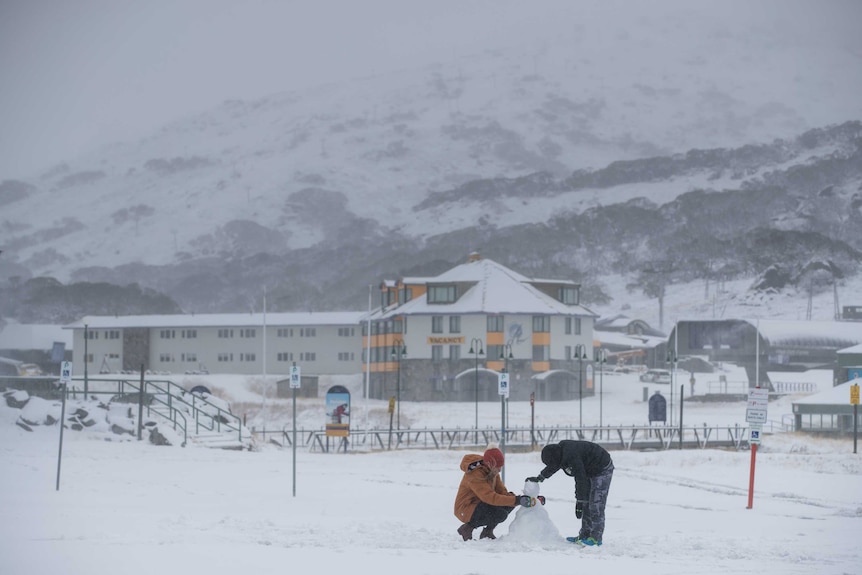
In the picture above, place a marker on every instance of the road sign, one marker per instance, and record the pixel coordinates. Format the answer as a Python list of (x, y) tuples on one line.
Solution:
[(503, 384), (295, 377), (66, 372), (754, 433), (758, 402), (854, 394)]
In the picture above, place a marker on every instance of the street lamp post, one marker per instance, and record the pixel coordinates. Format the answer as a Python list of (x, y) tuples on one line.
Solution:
[(581, 352), (476, 350), (671, 359), (601, 359), (399, 350)]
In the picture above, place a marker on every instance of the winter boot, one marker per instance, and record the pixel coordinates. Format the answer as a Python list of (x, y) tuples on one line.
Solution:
[(487, 533), (466, 532)]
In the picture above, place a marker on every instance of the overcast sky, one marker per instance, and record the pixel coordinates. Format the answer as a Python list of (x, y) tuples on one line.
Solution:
[(78, 74)]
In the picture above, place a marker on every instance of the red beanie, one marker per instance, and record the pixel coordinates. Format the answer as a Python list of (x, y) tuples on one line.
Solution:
[(493, 457)]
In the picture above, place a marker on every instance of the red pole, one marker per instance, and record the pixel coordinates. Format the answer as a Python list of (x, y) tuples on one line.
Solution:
[(751, 476)]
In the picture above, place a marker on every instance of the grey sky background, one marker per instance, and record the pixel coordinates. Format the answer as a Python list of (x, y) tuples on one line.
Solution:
[(78, 74)]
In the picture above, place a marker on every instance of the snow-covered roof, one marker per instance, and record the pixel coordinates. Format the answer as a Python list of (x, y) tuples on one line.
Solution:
[(809, 333), (838, 395), (497, 290), (852, 348), (627, 340), (218, 320), (22, 336), (614, 322)]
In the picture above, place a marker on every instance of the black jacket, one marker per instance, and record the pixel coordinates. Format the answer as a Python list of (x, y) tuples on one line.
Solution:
[(578, 459)]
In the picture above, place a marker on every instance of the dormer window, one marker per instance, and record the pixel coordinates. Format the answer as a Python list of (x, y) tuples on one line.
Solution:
[(442, 294), (568, 295), (405, 294)]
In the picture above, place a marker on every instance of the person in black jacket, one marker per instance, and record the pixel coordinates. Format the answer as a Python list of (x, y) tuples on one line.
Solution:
[(591, 466)]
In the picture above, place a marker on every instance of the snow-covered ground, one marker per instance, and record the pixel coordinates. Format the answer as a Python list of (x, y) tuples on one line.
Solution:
[(129, 507)]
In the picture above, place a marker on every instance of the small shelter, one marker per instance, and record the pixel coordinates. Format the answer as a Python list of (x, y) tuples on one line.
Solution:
[(829, 411)]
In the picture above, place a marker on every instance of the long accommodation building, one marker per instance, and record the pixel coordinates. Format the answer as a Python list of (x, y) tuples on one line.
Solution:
[(326, 343)]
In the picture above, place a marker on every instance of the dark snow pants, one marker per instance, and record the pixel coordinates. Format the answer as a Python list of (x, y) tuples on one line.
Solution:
[(489, 515), (593, 520)]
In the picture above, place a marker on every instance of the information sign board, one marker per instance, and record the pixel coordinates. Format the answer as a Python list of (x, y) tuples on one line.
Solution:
[(503, 384), (758, 401)]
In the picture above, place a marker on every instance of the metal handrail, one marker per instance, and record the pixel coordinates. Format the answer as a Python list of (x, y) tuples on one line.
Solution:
[(624, 437)]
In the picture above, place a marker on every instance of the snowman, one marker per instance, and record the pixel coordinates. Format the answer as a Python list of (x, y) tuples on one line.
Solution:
[(532, 524)]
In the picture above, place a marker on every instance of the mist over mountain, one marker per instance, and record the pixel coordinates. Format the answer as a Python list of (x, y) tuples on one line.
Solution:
[(563, 160)]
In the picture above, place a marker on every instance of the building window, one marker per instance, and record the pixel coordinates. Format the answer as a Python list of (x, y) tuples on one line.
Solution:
[(441, 294), (308, 356), (577, 326), (308, 332), (189, 357), (247, 357), (248, 333), (92, 334), (112, 334), (284, 332), (166, 357), (224, 357), (89, 358), (346, 356), (568, 295), (437, 324), (541, 324), (189, 333), (225, 333), (405, 295), (167, 334), (454, 324), (346, 332), (494, 352), (436, 353), (284, 356), (454, 352), (541, 353), (495, 324)]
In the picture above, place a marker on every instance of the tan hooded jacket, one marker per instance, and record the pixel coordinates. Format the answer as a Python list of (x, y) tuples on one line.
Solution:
[(479, 484)]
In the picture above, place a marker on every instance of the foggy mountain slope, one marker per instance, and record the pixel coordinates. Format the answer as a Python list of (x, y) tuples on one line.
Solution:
[(588, 152), (638, 214)]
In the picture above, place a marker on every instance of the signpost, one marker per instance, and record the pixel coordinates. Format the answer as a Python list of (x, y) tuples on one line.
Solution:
[(295, 383), (503, 390), (391, 415), (854, 401), (65, 380), (755, 415)]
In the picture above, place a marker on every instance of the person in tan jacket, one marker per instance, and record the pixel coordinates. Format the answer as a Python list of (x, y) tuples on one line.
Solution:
[(482, 499)]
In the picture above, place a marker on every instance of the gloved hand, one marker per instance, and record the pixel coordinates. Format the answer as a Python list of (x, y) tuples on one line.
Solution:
[(537, 479), (579, 509), (524, 500)]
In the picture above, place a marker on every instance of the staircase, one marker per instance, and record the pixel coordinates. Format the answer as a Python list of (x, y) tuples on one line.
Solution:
[(199, 419)]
